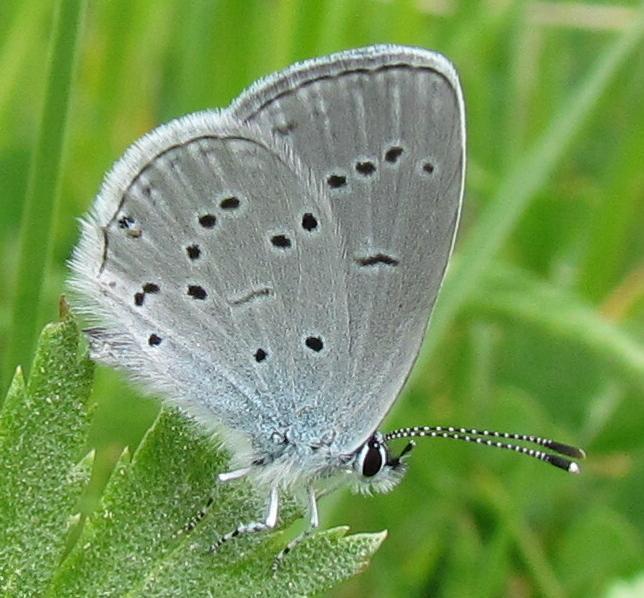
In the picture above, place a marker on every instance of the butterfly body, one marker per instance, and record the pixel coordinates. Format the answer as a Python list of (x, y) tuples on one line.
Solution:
[(270, 268)]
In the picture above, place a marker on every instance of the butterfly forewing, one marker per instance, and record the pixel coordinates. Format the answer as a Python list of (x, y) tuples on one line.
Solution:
[(382, 131)]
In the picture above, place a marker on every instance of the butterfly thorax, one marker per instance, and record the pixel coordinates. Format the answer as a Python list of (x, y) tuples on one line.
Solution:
[(294, 462)]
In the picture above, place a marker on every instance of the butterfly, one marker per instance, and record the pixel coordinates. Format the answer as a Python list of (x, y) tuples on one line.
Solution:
[(270, 268)]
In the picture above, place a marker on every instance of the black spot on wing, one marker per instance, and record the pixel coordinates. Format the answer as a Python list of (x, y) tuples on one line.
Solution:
[(314, 343), (280, 241), (193, 251), (393, 153), (335, 181), (309, 222), (366, 168), (154, 340), (208, 220), (197, 292), (229, 203)]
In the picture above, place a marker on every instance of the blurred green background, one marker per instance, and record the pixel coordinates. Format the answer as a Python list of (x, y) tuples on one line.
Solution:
[(540, 325)]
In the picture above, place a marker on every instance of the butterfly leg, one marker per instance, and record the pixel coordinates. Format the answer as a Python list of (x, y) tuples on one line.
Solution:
[(314, 522), (197, 517), (256, 526), (227, 476), (222, 477)]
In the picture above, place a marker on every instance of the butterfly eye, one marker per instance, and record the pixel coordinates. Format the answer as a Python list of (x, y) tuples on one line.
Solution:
[(373, 457)]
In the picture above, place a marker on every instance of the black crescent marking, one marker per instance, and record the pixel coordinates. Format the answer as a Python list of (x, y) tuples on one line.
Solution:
[(252, 296), (379, 258)]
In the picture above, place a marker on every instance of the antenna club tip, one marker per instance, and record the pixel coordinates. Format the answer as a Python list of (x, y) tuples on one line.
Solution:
[(574, 468), (566, 449)]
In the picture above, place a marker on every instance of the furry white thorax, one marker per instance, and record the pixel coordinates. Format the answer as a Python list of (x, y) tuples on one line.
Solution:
[(297, 466)]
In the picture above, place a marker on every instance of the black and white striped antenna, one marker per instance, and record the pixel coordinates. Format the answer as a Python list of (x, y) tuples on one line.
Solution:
[(558, 455)]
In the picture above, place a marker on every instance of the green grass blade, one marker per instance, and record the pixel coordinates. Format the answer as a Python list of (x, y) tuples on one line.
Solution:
[(43, 187), (14, 50), (608, 232), (518, 189), (526, 541), (511, 294)]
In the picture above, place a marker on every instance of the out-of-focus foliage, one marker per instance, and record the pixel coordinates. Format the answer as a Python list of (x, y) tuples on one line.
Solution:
[(540, 327)]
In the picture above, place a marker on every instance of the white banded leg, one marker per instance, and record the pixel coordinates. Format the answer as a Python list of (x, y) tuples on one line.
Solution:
[(255, 526), (199, 515), (314, 522)]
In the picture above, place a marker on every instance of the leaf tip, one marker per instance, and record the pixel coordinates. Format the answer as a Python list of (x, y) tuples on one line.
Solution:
[(18, 380), (64, 310)]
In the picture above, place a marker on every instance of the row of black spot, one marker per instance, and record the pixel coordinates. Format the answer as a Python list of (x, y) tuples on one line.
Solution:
[(228, 204), (309, 224), (148, 287), (207, 220), (194, 290), (314, 343), (309, 221), (367, 168)]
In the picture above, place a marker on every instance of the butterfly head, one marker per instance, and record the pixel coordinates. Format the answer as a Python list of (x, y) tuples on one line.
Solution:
[(375, 468)]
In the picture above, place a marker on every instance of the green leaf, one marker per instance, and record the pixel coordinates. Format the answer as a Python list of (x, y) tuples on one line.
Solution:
[(135, 544), (43, 429), (315, 565), (145, 506)]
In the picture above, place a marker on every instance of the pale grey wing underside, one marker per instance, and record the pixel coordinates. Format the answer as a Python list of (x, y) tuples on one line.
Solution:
[(272, 267), (383, 130), (209, 262)]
